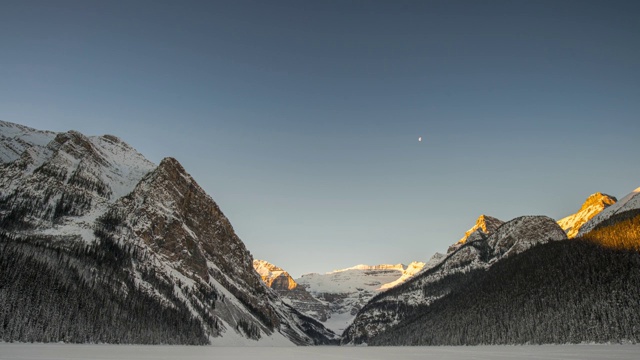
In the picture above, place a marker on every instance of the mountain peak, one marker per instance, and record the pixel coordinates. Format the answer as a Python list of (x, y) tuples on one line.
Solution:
[(172, 164), (592, 206), (172, 171), (599, 199), (275, 277), (631, 202), (487, 224)]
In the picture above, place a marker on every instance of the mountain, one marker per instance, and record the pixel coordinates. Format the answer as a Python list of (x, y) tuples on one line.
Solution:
[(347, 290), (335, 297), (447, 274), (411, 270), (628, 204), (292, 294), (100, 245), (484, 225), (273, 276), (594, 204), (618, 226), (487, 224), (556, 293)]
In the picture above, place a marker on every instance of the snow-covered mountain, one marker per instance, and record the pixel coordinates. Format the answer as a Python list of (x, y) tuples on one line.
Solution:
[(101, 245), (594, 204), (411, 270), (629, 203), (346, 291), (292, 294), (480, 251), (335, 297), (60, 183)]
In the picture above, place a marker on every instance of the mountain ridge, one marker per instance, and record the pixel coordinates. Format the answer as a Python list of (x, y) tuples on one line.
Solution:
[(480, 251), (334, 297), (106, 246)]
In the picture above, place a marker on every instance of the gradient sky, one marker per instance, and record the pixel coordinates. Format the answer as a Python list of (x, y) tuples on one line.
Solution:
[(301, 118)]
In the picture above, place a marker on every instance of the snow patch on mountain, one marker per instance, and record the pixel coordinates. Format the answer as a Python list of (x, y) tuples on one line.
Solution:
[(411, 269), (15, 139), (353, 279)]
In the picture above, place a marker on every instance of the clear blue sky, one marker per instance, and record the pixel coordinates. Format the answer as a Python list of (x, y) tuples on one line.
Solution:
[(301, 118)]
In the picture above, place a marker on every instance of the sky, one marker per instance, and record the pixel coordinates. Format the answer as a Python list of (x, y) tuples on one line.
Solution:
[(301, 118)]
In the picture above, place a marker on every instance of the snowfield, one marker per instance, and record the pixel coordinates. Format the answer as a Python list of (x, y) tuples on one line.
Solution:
[(66, 351)]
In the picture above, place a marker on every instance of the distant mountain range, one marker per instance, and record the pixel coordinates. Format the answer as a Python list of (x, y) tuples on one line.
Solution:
[(334, 298), (98, 244)]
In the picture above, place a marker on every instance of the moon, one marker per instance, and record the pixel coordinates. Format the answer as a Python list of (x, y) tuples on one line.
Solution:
[(419, 138)]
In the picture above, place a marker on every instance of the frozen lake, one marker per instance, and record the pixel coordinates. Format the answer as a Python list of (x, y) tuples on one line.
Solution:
[(104, 352)]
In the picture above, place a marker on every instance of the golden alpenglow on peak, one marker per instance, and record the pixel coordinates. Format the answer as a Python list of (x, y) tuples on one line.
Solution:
[(599, 199), (487, 224), (275, 277), (594, 204)]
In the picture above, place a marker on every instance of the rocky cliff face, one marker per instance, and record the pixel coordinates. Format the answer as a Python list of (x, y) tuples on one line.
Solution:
[(273, 276), (594, 204), (95, 209), (479, 251)]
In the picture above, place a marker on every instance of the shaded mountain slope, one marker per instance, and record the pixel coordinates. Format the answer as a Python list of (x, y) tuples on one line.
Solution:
[(560, 292), (479, 252), (630, 202), (618, 226)]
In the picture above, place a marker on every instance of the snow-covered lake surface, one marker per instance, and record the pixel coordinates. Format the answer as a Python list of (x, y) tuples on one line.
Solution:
[(104, 352)]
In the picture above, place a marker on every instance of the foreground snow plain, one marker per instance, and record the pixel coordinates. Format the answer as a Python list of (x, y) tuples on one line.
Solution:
[(105, 352)]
